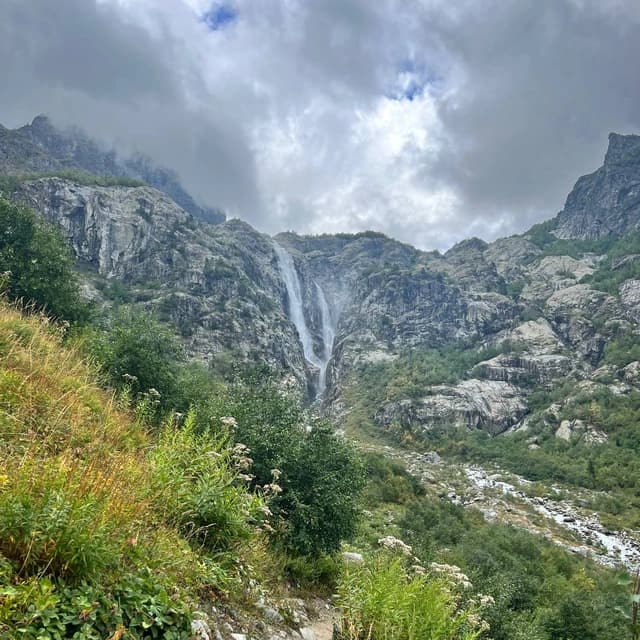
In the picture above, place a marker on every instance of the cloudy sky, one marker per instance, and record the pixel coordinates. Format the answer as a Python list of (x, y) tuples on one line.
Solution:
[(429, 120)]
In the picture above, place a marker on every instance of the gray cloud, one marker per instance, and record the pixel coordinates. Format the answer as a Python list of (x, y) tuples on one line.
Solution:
[(426, 122)]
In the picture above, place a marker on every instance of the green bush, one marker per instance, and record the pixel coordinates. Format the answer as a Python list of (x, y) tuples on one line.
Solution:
[(383, 600), (198, 486), (140, 354), (36, 265), (319, 474), (137, 606)]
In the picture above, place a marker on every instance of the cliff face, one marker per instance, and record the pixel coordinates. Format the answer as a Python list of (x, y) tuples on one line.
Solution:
[(41, 147), (606, 202), (366, 300), (219, 284)]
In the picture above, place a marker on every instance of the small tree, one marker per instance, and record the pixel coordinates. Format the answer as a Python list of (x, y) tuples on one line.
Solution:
[(138, 352), (37, 264)]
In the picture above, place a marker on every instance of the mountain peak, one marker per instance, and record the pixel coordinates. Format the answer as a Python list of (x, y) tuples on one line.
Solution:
[(607, 201), (622, 150)]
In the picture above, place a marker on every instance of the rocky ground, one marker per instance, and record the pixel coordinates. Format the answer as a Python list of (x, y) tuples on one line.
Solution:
[(507, 497)]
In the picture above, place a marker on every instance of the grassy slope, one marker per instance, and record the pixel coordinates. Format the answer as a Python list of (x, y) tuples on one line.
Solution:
[(84, 543)]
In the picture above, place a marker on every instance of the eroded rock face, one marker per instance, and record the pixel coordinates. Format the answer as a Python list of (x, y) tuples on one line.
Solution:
[(220, 285), (475, 404), (606, 202)]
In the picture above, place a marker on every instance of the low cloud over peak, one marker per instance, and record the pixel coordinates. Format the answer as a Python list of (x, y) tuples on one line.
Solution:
[(422, 121)]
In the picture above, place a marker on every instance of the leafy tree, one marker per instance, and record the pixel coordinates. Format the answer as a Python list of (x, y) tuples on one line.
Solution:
[(138, 352), (37, 264), (319, 473)]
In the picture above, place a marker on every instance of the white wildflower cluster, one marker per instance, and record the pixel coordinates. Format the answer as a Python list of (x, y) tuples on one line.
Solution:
[(273, 488), (478, 622), (452, 572), (395, 544), (229, 421)]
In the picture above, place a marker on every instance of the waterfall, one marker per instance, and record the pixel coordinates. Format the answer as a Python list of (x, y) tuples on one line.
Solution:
[(296, 308), (296, 315), (328, 336)]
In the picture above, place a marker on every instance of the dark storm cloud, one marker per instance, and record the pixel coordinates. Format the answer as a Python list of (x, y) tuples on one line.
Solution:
[(426, 119), (544, 83), (93, 65)]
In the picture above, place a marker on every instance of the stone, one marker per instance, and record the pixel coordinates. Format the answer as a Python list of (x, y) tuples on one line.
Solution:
[(475, 404), (307, 633), (200, 629), (351, 557)]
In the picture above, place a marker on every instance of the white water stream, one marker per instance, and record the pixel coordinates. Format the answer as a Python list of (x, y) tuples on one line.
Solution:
[(296, 315), (618, 547)]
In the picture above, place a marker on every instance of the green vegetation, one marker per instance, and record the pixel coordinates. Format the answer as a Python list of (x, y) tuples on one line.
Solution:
[(537, 590), (80, 547), (387, 598), (622, 262), (11, 183), (542, 236), (36, 266), (318, 472), (139, 354)]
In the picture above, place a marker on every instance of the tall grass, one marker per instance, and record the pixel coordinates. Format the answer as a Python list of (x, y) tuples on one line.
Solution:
[(383, 601), (103, 527)]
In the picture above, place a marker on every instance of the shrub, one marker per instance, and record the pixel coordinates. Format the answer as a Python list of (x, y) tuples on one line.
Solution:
[(382, 599), (319, 473), (38, 264), (198, 485), (140, 354)]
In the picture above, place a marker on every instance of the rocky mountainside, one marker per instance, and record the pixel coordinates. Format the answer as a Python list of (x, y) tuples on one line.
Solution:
[(40, 147), (606, 202), (521, 314)]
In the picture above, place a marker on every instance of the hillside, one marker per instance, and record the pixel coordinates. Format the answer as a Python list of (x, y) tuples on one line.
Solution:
[(505, 376)]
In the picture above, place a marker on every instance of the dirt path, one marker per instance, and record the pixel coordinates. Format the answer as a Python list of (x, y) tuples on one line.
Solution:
[(323, 626)]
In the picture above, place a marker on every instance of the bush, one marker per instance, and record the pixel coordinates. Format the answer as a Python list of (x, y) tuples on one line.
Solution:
[(140, 354), (38, 264), (198, 486), (383, 600), (319, 473), (138, 606)]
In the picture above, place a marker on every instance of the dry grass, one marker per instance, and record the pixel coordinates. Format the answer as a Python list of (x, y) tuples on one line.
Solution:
[(72, 480)]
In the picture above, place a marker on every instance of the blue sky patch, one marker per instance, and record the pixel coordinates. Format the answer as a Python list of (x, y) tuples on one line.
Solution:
[(220, 16)]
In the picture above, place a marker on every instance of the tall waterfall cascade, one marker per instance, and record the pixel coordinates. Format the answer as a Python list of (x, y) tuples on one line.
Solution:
[(328, 336), (296, 315)]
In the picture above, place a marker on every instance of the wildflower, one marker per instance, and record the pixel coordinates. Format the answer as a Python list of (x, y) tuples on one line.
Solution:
[(452, 572), (275, 474), (486, 601), (392, 543), (229, 421)]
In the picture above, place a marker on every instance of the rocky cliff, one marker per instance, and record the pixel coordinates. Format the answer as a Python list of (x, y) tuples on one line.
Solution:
[(328, 308), (40, 147), (606, 202)]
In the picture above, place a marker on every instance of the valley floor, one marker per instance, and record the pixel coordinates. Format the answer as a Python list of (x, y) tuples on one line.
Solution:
[(551, 511)]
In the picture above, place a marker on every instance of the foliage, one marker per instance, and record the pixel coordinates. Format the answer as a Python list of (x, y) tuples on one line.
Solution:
[(539, 590), (36, 264), (83, 178), (615, 269), (140, 354), (104, 530), (388, 482), (383, 599), (318, 472), (542, 236), (199, 486)]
